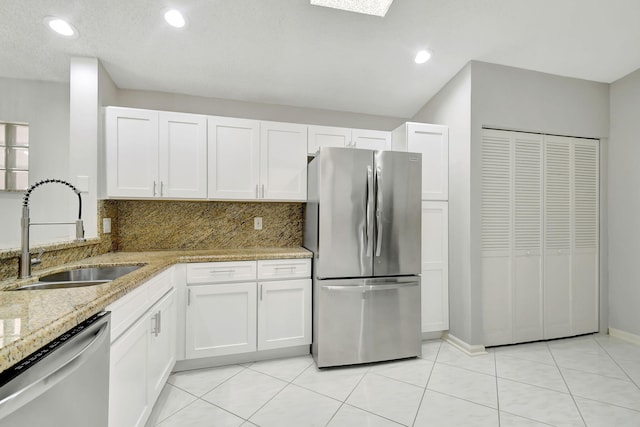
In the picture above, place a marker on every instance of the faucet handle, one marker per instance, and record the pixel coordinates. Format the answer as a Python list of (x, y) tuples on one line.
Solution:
[(37, 260)]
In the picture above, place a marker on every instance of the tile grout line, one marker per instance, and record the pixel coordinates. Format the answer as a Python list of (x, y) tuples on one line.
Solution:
[(278, 393), (199, 397), (568, 388), (435, 360), (495, 367), (617, 364), (347, 398)]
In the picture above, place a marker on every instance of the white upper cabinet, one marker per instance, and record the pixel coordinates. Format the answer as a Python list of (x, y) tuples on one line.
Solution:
[(253, 160), (183, 155), (327, 136), (131, 152), (371, 139), (433, 142), (283, 161), (234, 158), (155, 154)]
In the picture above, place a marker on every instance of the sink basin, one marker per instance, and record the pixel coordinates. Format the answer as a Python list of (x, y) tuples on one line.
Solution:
[(80, 277), (90, 274)]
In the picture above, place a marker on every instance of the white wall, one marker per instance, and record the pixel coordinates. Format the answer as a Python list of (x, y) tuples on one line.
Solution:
[(45, 107), (252, 110), (513, 98), (493, 95), (624, 205), (452, 106)]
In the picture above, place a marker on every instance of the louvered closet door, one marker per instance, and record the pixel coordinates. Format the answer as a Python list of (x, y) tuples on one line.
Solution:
[(496, 211), (527, 232), (557, 237), (584, 285)]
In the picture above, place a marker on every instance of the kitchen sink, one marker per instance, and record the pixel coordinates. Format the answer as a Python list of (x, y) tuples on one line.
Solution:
[(80, 277)]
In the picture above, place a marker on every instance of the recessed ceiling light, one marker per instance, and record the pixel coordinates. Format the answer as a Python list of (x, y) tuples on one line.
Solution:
[(175, 18), (61, 27), (368, 7), (423, 56)]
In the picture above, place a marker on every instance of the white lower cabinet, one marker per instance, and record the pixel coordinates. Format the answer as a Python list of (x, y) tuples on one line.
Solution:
[(221, 319), (435, 266), (143, 354), (225, 317), (284, 313), (162, 345), (129, 402)]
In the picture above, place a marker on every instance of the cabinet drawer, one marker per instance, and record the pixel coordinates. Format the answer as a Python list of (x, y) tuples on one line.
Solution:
[(126, 310), (284, 269), (215, 272)]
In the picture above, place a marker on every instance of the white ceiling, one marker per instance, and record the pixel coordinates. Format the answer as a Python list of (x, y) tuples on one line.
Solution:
[(289, 52)]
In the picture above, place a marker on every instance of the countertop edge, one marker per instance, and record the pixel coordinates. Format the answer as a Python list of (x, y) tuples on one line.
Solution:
[(155, 262)]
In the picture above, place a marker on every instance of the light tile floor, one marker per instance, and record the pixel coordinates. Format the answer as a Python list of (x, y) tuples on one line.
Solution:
[(586, 381)]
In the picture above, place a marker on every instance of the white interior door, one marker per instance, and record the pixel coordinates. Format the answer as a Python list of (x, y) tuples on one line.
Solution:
[(557, 237), (584, 286), (233, 158), (527, 234), (497, 237)]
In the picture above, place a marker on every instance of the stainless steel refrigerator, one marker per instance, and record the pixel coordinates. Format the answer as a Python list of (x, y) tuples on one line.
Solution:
[(363, 225)]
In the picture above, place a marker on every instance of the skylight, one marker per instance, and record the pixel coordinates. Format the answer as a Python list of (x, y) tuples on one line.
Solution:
[(368, 7)]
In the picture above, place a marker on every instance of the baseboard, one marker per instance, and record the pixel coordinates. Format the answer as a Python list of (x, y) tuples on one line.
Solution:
[(471, 350), (426, 336), (234, 359), (627, 336)]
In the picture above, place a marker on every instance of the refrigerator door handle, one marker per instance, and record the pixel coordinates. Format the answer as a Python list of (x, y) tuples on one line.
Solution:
[(368, 219), (368, 288), (378, 210)]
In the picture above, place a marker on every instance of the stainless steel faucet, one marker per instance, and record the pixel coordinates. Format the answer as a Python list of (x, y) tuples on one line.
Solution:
[(25, 257)]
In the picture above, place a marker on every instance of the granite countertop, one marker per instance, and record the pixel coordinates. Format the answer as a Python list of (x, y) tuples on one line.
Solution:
[(31, 319)]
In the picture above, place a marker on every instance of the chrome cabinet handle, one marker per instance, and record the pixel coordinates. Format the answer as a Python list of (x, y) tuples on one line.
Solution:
[(263, 191), (188, 297), (154, 189), (221, 271), (159, 320), (257, 196), (161, 188)]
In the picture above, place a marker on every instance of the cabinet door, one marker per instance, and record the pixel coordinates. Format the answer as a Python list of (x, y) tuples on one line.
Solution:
[(234, 158), (183, 156), (129, 400), (371, 139), (435, 266), (433, 142), (284, 314), (221, 319), (326, 136), (162, 343), (283, 161), (131, 141)]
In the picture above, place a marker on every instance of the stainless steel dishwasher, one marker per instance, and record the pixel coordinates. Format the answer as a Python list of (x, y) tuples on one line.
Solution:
[(65, 383)]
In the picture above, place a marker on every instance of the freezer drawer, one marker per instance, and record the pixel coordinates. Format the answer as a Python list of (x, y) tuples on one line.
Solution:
[(366, 320)]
